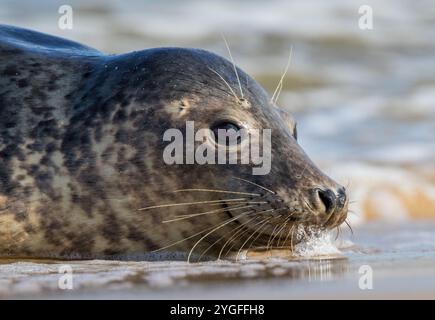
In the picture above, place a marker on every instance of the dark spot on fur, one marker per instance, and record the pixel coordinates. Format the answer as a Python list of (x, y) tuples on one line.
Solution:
[(22, 83), (120, 116), (111, 229), (10, 71)]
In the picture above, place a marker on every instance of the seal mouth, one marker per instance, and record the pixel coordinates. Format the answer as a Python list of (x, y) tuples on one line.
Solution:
[(285, 229)]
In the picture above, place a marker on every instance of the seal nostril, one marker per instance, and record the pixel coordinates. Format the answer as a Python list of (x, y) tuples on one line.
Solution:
[(341, 197), (328, 199)]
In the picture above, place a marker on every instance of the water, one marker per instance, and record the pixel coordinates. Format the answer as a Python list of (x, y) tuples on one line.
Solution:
[(401, 258), (364, 102)]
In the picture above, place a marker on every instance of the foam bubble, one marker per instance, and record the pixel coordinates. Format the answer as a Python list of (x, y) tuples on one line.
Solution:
[(316, 243)]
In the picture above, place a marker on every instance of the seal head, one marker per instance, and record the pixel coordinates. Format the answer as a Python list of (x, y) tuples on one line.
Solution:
[(82, 168)]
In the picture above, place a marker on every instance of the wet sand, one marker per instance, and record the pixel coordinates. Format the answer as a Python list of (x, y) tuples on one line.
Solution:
[(401, 256)]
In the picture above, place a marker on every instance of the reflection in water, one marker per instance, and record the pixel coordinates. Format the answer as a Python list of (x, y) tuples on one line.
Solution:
[(327, 269), (29, 276)]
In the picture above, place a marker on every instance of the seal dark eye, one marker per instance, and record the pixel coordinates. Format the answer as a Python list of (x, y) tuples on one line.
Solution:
[(226, 133), (295, 133)]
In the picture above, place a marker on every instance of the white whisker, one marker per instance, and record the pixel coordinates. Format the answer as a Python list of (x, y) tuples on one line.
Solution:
[(188, 216), (259, 233), (227, 84), (228, 241), (234, 66), (278, 89), (218, 191), (190, 203), (185, 239), (263, 223), (214, 230), (255, 184), (234, 231)]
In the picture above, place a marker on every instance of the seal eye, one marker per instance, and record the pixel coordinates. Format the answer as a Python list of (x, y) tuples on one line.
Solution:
[(226, 133), (295, 132)]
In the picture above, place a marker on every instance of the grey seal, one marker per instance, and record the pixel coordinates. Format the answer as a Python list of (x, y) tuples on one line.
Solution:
[(81, 168)]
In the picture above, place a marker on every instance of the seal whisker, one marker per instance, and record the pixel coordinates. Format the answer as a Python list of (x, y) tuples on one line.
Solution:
[(291, 239), (263, 222), (309, 207), (257, 202), (234, 66), (255, 184), (227, 84), (236, 237), (278, 89), (286, 220), (282, 226), (271, 235), (234, 231), (232, 237), (288, 234), (214, 230), (290, 227), (189, 78), (189, 203), (348, 225), (338, 232), (259, 233), (217, 191), (235, 206), (190, 237), (229, 240), (188, 216), (280, 232), (306, 236)]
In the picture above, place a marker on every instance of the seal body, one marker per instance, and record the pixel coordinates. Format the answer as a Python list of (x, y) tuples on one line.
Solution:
[(81, 167)]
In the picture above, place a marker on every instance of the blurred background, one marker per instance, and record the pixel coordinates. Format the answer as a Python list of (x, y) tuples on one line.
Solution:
[(364, 99)]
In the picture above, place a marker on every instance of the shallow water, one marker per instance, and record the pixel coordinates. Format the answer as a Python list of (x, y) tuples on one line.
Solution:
[(401, 256), (364, 102)]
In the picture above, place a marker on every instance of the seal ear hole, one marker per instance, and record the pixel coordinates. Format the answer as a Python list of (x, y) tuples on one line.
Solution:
[(232, 131), (295, 132)]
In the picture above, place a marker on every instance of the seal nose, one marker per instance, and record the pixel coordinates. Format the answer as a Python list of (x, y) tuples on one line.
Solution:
[(330, 200)]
